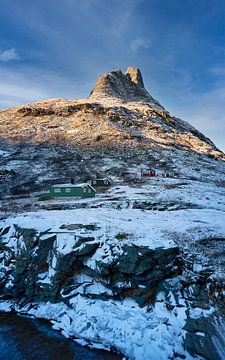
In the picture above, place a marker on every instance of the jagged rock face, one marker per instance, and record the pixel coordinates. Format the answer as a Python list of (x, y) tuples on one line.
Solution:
[(126, 87), (135, 76), (39, 268), (31, 256)]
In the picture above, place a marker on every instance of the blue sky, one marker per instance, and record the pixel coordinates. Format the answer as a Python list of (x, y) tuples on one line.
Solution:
[(57, 48)]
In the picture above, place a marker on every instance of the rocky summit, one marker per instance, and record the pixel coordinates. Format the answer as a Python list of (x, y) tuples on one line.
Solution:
[(119, 114), (125, 87), (139, 268)]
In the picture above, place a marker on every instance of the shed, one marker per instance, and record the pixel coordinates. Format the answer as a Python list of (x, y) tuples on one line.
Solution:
[(166, 175), (147, 172), (101, 183), (71, 190)]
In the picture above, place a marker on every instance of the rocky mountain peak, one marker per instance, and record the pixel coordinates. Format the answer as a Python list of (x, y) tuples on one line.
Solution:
[(134, 74), (126, 87), (119, 114)]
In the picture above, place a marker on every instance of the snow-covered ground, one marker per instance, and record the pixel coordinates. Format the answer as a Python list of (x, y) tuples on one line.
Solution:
[(144, 228), (195, 213), (147, 333)]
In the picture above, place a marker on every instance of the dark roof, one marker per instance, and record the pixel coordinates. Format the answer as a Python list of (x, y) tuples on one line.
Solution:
[(101, 179), (72, 186)]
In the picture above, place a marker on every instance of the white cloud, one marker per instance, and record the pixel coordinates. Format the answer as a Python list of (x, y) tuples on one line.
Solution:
[(8, 55), (138, 43)]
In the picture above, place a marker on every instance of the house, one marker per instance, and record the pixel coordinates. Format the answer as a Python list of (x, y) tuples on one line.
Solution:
[(100, 183), (166, 175), (71, 190), (148, 173)]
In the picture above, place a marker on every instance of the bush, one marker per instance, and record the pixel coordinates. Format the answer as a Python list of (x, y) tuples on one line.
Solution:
[(44, 197), (121, 236)]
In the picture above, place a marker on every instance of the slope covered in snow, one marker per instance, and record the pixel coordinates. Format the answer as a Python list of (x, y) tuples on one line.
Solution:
[(160, 215)]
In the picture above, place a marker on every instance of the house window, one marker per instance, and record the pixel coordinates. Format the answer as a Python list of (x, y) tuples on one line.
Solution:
[(94, 182), (57, 190), (105, 182), (84, 190), (68, 190), (89, 190)]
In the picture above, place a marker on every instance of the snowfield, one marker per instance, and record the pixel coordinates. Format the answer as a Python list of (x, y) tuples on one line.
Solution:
[(144, 228), (154, 331)]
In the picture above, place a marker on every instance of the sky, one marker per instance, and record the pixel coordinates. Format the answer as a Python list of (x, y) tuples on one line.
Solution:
[(57, 48)]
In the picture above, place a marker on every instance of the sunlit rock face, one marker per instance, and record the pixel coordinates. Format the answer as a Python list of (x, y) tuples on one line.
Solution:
[(134, 74), (125, 87), (119, 114)]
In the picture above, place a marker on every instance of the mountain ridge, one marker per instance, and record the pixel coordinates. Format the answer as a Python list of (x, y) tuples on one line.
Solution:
[(119, 112)]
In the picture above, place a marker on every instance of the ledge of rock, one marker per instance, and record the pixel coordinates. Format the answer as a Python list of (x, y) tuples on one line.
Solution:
[(37, 267)]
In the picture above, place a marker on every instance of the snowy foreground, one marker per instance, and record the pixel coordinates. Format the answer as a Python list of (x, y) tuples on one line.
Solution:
[(148, 333), (89, 312)]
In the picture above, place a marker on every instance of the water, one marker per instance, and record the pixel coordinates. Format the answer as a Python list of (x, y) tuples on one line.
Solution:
[(23, 338)]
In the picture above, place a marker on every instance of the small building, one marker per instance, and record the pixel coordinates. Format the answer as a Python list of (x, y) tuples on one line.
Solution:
[(148, 173), (71, 190), (100, 183), (166, 175)]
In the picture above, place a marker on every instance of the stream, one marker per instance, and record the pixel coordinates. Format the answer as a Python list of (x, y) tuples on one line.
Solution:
[(25, 338)]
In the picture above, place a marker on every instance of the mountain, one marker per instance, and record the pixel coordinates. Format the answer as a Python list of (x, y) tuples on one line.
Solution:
[(140, 268), (119, 112)]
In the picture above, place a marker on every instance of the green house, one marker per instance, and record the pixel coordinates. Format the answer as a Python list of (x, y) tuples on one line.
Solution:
[(70, 190)]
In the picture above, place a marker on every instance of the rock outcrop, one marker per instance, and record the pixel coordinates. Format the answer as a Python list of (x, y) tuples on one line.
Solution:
[(135, 76), (57, 275), (36, 268), (126, 87)]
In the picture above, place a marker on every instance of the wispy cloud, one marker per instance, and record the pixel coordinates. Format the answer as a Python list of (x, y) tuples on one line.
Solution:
[(9, 55), (138, 43)]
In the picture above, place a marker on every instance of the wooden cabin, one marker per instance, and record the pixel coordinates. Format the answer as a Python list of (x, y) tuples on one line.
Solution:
[(100, 183), (78, 191), (148, 173), (166, 175)]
